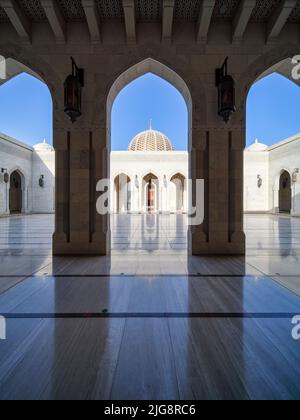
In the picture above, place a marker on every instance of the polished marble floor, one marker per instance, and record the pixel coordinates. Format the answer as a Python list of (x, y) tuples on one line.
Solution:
[(199, 328)]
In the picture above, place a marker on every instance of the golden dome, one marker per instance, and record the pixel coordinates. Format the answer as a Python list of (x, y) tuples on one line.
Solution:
[(150, 141)]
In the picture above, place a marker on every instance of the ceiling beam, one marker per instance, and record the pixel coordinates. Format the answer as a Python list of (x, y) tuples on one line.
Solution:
[(18, 19), (92, 18), (242, 19), (279, 19), (56, 20), (205, 16), (168, 17), (130, 25)]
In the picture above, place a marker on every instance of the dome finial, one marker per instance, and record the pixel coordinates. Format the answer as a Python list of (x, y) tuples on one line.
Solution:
[(150, 124)]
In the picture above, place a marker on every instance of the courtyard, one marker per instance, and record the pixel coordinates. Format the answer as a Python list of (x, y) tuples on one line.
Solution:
[(149, 109), (199, 327)]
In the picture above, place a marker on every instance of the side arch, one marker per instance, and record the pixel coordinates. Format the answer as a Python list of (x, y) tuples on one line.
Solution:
[(261, 67), (278, 176), (121, 185), (36, 66)]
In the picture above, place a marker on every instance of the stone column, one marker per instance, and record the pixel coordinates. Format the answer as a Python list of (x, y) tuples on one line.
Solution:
[(138, 195), (165, 190), (81, 160), (217, 157)]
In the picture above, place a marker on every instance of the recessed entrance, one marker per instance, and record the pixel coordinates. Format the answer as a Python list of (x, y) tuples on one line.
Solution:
[(151, 194), (15, 193)]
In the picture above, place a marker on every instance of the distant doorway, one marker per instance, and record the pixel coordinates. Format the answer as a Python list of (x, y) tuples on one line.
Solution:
[(150, 196), (151, 193), (285, 193), (15, 193)]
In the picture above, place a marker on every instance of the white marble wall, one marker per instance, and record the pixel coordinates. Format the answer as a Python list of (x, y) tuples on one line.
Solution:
[(285, 156), (43, 199), (256, 199), (270, 163), (31, 163)]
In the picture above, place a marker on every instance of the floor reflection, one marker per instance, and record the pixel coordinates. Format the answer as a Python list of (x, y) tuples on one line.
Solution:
[(149, 322)]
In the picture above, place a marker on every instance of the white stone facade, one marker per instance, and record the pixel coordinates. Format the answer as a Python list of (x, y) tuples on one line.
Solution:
[(130, 172), (265, 168), (164, 166), (34, 165), (149, 171)]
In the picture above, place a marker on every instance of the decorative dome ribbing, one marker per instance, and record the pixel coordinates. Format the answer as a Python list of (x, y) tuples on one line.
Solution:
[(150, 141)]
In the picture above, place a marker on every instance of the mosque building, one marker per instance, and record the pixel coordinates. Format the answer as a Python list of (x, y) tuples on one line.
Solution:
[(149, 177), (27, 177), (271, 177)]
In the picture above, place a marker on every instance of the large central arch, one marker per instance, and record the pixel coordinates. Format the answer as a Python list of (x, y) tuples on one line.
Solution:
[(146, 66)]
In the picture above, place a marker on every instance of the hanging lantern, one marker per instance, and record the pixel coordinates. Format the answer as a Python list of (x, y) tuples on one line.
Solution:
[(73, 92), (42, 181), (259, 181), (226, 92), (5, 176)]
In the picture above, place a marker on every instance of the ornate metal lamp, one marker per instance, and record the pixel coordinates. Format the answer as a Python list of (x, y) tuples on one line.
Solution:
[(73, 92), (5, 175), (42, 181), (295, 175), (259, 181), (226, 92)]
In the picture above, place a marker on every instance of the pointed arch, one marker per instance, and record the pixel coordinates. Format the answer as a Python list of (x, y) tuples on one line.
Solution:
[(155, 67), (21, 60), (179, 181), (122, 193), (285, 192), (278, 60)]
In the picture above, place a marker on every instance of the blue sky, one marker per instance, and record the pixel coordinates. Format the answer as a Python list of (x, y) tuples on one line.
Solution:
[(26, 109), (149, 97), (272, 111)]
